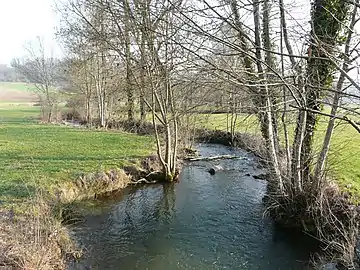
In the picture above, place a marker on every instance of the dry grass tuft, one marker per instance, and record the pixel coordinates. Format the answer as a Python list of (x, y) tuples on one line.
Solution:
[(88, 186), (35, 240)]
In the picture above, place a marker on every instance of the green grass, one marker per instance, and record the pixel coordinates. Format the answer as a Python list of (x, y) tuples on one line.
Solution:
[(344, 158), (42, 155), (35, 155), (18, 86), (245, 123), (19, 113)]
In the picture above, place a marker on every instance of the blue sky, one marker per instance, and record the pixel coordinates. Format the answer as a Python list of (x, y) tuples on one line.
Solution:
[(20, 22)]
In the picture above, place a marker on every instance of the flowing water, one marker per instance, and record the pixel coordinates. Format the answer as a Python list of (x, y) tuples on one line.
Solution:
[(203, 222)]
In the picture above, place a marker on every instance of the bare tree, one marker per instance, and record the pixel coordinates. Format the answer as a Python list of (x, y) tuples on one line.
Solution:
[(42, 70), (160, 67)]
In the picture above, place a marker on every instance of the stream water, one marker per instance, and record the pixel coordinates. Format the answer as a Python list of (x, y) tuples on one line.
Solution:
[(203, 222)]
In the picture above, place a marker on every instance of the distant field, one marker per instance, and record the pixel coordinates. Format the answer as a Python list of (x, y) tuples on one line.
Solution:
[(18, 86), (17, 92)]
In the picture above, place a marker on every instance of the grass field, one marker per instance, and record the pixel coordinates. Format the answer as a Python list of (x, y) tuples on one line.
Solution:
[(34, 155), (17, 93), (18, 86)]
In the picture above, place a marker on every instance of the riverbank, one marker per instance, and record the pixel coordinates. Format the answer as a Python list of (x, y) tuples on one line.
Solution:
[(46, 169), (35, 238), (37, 155)]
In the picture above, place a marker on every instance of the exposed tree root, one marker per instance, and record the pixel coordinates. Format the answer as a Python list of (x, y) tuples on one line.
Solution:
[(151, 178)]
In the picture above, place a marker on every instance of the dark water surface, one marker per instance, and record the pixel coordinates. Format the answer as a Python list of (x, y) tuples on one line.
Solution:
[(202, 222)]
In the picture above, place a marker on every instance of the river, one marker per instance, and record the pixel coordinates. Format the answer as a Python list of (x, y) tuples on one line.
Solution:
[(203, 222)]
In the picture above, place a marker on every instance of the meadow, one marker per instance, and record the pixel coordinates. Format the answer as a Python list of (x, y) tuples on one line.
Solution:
[(19, 86), (34, 155), (17, 93)]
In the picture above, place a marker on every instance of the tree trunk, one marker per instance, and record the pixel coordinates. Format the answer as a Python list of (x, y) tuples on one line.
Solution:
[(101, 94), (129, 88), (285, 107), (337, 96), (142, 76), (86, 116), (269, 60), (327, 21), (49, 114), (296, 165), (264, 99), (87, 96)]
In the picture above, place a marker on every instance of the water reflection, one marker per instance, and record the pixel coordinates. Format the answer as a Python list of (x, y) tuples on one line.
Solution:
[(165, 208), (203, 222)]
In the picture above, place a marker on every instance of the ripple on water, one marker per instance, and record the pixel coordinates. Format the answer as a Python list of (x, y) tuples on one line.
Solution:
[(203, 222)]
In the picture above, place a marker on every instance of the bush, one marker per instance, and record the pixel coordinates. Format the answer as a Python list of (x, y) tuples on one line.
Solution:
[(72, 115)]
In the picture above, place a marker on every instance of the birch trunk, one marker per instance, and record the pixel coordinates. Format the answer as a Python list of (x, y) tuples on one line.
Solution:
[(295, 164), (266, 115), (285, 108)]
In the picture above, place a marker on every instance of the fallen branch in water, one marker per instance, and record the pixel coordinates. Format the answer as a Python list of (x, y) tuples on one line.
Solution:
[(151, 178), (143, 181), (214, 158)]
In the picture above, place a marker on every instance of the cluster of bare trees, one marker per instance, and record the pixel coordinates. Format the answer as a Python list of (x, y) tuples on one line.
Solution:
[(139, 56), (162, 56), (286, 83), (123, 50), (172, 57)]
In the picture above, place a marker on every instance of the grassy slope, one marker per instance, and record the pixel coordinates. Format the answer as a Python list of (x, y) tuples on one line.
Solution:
[(41, 155), (344, 157)]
